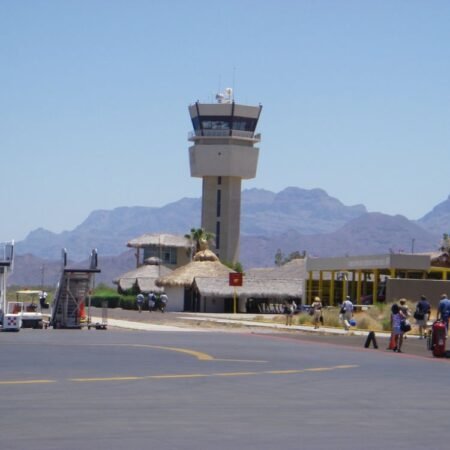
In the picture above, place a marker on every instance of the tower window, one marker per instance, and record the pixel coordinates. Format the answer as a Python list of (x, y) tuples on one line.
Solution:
[(217, 235), (224, 123), (219, 180), (218, 202), (168, 255)]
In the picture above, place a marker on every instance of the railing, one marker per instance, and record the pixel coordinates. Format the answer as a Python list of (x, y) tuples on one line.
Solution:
[(224, 133), (6, 253)]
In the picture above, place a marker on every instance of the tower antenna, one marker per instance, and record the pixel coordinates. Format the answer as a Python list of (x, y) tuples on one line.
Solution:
[(234, 81)]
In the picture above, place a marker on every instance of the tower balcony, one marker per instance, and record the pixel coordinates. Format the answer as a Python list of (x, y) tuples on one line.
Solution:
[(247, 136)]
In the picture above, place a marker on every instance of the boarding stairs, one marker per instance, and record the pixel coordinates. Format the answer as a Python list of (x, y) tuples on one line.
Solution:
[(72, 295)]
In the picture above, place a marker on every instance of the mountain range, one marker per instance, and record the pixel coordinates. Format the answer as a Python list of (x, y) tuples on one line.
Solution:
[(294, 219)]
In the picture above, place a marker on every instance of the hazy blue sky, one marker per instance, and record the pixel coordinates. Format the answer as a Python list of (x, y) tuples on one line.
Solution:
[(94, 97)]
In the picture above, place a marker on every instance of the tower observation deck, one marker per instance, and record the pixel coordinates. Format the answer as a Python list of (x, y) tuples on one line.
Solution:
[(223, 154)]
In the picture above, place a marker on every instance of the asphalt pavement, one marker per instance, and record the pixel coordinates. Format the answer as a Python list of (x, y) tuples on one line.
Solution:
[(186, 322), (186, 381)]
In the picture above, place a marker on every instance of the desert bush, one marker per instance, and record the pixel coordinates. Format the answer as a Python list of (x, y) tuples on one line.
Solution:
[(386, 324), (365, 321), (259, 319), (331, 317), (302, 319)]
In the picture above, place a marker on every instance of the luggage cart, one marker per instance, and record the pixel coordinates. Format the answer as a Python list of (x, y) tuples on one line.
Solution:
[(103, 325)]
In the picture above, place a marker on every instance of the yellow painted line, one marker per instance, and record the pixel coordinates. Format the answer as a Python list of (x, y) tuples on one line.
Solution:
[(215, 374), (84, 380), (285, 372), (192, 375), (242, 360), (182, 376), (199, 355), (346, 367), (313, 369), (27, 382), (235, 374)]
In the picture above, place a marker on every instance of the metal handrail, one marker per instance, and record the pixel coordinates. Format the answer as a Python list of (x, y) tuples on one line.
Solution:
[(224, 133)]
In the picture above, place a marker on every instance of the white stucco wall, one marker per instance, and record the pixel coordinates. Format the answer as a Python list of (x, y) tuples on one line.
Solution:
[(176, 298)]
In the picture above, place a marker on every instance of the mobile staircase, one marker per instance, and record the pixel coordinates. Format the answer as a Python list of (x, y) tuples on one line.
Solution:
[(9, 321), (73, 294)]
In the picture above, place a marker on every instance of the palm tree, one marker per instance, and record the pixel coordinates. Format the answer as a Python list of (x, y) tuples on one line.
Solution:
[(445, 243), (200, 238)]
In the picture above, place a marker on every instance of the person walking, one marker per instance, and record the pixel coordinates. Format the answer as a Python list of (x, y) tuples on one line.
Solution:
[(404, 308), (316, 308), (443, 312), (346, 312), (139, 301), (163, 300), (289, 309), (396, 327), (422, 314), (151, 301)]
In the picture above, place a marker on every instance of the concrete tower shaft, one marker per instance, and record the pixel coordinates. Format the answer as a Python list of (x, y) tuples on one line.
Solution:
[(223, 154)]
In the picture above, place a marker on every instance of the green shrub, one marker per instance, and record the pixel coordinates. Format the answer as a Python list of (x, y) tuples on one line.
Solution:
[(128, 302), (113, 301), (113, 298), (105, 293), (101, 288)]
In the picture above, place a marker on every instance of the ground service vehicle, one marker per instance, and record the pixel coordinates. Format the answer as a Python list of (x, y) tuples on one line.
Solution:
[(31, 311)]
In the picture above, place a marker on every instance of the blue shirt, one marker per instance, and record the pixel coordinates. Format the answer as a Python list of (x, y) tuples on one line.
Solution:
[(347, 306), (444, 308), (423, 306)]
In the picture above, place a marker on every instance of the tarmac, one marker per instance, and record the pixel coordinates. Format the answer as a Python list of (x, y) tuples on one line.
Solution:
[(255, 324)]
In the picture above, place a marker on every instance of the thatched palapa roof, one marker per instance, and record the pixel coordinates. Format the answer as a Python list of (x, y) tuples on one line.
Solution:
[(161, 240), (205, 264), (144, 276), (251, 288)]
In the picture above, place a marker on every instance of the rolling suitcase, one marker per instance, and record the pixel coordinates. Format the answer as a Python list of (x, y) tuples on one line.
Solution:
[(438, 337)]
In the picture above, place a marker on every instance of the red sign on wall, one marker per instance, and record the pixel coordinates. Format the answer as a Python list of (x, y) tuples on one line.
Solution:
[(235, 279)]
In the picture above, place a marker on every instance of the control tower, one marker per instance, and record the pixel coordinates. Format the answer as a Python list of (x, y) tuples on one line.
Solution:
[(223, 154)]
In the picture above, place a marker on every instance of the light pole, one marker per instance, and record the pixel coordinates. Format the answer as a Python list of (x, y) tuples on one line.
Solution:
[(42, 277)]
